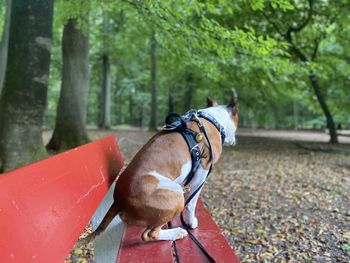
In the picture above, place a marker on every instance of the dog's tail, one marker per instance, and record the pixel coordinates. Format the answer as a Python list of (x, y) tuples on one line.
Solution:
[(112, 212)]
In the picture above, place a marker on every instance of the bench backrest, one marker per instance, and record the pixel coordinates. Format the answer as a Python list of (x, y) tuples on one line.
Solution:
[(45, 206)]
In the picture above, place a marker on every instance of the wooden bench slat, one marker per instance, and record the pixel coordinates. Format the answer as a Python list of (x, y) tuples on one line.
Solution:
[(134, 250), (209, 234), (45, 206)]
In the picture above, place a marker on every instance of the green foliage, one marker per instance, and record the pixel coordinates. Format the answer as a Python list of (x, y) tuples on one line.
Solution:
[(223, 44), (2, 15), (68, 9)]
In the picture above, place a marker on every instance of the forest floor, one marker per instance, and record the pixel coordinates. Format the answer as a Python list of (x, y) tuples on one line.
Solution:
[(273, 200)]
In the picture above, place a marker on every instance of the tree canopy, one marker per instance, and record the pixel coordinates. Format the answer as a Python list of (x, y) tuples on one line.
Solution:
[(224, 44), (287, 59)]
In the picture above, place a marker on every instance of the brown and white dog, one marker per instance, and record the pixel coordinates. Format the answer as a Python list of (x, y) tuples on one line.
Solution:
[(149, 192)]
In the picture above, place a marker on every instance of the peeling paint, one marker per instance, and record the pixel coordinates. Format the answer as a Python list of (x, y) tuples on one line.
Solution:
[(15, 205), (101, 172), (91, 189), (88, 192)]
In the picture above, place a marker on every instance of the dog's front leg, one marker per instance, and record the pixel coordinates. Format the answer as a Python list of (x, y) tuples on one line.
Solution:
[(189, 211)]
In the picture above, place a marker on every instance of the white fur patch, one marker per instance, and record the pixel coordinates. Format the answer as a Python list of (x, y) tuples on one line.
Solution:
[(172, 234), (185, 170), (166, 183)]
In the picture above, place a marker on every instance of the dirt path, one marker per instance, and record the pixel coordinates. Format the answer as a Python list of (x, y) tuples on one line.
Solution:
[(293, 135)]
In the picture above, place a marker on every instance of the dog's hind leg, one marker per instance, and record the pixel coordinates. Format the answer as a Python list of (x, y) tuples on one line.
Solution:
[(154, 234)]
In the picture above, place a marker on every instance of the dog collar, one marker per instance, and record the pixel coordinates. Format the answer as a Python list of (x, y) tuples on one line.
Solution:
[(213, 121)]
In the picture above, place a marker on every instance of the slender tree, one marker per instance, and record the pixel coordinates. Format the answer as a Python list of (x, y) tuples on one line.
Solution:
[(297, 50), (188, 90), (4, 44), (23, 99), (153, 54), (72, 106), (131, 106), (105, 113), (170, 102), (112, 22)]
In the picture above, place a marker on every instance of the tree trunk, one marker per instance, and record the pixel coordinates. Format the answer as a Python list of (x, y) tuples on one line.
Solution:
[(23, 100), (72, 106), (153, 119), (295, 114), (105, 117), (170, 103), (4, 44), (131, 108), (188, 91), (314, 83), (119, 110), (141, 115), (330, 122)]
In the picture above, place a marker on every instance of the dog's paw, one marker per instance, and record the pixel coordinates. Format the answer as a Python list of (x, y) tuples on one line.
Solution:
[(181, 233), (172, 234), (193, 222), (190, 220)]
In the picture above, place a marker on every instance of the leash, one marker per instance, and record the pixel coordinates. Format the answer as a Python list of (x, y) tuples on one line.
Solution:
[(187, 227)]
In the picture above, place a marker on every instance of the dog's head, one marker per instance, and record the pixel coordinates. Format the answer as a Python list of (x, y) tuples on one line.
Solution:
[(231, 121)]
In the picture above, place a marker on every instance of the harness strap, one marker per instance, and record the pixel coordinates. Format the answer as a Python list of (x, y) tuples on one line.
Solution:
[(218, 126), (187, 227), (189, 137)]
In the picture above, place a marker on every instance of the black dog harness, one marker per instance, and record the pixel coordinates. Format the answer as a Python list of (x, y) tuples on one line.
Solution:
[(178, 123)]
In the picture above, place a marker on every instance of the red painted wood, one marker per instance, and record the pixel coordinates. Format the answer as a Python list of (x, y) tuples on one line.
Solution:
[(45, 206), (209, 234), (134, 250)]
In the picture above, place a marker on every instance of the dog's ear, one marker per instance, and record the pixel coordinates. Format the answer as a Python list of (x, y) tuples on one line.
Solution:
[(234, 102), (211, 102)]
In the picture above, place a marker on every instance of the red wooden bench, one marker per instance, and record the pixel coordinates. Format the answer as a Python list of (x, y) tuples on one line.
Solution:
[(45, 206)]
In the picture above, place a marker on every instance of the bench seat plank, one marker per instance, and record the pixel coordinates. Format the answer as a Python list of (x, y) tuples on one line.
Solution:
[(209, 234), (45, 206), (134, 250)]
